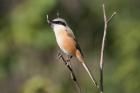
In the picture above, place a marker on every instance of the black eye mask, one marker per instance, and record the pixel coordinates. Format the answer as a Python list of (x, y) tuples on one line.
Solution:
[(59, 22)]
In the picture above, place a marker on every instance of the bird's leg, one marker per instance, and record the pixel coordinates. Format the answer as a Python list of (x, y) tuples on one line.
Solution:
[(68, 60), (60, 55)]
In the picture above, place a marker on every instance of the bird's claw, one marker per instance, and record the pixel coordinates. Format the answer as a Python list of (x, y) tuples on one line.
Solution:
[(67, 63), (69, 58)]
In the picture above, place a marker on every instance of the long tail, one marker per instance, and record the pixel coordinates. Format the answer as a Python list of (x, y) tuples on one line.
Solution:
[(92, 78), (81, 59)]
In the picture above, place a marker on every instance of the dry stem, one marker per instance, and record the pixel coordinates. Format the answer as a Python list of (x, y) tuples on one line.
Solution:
[(106, 21), (71, 71)]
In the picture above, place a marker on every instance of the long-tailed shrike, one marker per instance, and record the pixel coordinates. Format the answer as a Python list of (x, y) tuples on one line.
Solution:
[(67, 42)]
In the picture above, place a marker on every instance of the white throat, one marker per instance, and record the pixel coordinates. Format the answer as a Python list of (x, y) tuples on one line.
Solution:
[(60, 31), (58, 28)]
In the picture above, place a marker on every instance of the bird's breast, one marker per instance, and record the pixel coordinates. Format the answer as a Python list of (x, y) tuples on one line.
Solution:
[(65, 42)]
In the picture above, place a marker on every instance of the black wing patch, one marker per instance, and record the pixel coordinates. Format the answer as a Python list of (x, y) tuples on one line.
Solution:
[(78, 47)]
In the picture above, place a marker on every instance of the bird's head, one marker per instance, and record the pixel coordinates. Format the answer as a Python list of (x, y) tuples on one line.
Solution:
[(57, 22)]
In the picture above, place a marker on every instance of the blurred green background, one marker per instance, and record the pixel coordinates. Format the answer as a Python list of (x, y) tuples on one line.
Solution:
[(28, 50)]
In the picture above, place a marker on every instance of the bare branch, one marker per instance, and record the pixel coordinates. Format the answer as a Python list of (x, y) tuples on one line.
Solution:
[(49, 22), (106, 21), (109, 19), (71, 71)]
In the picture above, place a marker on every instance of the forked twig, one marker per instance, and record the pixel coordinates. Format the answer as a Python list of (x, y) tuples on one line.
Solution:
[(106, 21), (71, 71), (109, 19)]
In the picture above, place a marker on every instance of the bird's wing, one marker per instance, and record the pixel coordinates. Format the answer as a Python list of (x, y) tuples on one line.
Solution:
[(71, 34), (78, 47)]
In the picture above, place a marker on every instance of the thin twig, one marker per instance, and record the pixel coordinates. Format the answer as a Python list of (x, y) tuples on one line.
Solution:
[(109, 19), (48, 19), (106, 21), (72, 73), (102, 50)]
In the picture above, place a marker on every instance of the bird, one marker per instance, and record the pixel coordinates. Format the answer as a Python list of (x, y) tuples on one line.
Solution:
[(68, 43)]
